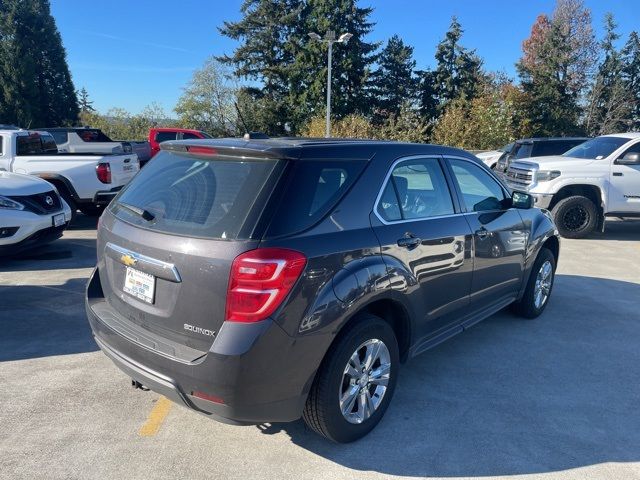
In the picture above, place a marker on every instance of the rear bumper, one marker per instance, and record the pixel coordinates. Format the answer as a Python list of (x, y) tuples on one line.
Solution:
[(249, 367)]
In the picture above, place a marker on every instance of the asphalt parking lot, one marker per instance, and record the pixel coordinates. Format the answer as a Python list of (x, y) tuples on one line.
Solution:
[(556, 397)]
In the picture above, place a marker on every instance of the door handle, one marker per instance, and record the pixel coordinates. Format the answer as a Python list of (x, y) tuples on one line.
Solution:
[(618, 174), (409, 241), (482, 233)]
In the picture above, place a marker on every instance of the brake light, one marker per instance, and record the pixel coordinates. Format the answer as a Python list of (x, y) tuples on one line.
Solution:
[(103, 171), (202, 150), (259, 281)]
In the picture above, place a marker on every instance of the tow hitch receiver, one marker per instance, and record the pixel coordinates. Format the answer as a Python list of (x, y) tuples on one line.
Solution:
[(137, 385)]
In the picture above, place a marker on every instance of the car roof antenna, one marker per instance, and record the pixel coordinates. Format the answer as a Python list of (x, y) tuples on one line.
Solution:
[(248, 135)]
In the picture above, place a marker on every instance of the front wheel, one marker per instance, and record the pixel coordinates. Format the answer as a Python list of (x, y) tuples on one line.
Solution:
[(575, 217), (538, 290), (355, 382)]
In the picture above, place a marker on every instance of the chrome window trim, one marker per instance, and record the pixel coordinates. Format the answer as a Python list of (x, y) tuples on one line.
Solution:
[(386, 180)]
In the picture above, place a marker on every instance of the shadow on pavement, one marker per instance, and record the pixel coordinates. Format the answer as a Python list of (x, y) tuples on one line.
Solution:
[(513, 396), (625, 230), (42, 321), (64, 253)]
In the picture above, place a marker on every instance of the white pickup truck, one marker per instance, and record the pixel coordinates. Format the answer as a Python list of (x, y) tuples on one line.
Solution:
[(86, 181), (597, 179)]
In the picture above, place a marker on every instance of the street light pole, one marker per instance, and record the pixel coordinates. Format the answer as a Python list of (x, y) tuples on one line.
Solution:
[(328, 113), (330, 39)]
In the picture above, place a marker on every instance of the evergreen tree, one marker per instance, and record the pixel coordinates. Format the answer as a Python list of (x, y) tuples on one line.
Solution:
[(427, 95), (393, 83), (84, 103), (269, 33), (557, 61), (459, 70), (610, 103), (631, 76), (351, 61), (35, 84)]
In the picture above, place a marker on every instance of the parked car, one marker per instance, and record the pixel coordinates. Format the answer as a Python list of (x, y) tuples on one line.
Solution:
[(32, 213), (85, 181), (159, 135), (596, 179), (94, 140), (537, 147), (490, 158), (263, 280)]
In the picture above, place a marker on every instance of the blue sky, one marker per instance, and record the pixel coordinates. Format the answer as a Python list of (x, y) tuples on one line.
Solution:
[(130, 53)]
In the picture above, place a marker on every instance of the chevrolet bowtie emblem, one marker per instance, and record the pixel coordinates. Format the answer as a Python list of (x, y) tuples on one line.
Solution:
[(128, 260)]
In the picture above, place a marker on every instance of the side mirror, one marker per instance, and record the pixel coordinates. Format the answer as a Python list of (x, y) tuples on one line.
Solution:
[(521, 200), (629, 159)]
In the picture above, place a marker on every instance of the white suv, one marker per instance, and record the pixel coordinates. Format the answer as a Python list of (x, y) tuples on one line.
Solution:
[(32, 212), (596, 179)]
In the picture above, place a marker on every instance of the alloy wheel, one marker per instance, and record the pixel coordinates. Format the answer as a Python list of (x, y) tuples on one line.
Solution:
[(364, 381), (542, 289)]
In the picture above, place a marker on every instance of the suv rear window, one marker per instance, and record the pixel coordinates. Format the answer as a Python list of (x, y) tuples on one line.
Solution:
[(92, 135), (192, 196), (311, 189)]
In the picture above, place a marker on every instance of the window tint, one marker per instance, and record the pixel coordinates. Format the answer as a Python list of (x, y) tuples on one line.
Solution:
[(165, 136), (60, 137), (553, 147), (311, 189), (210, 198), (415, 189), (92, 135), (189, 136), (35, 144), (480, 191)]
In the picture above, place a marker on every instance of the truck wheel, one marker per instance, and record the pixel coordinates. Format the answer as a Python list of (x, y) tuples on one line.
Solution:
[(72, 204), (355, 382), (536, 295), (575, 217)]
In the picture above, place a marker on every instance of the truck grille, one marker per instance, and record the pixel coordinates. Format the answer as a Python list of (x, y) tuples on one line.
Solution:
[(519, 177), (40, 203)]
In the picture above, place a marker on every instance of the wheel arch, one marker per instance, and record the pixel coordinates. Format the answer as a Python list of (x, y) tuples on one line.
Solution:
[(590, 191)]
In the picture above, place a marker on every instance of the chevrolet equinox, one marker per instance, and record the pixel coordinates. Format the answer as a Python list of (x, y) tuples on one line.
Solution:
[(261, 280)]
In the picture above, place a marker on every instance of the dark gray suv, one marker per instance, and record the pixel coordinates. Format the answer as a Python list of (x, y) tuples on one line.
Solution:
[(264, 280)]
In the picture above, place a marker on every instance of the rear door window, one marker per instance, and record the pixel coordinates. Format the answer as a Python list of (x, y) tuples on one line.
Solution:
[(311, 189), (165, 136), (416, 189), (193, 196), (189, 136)]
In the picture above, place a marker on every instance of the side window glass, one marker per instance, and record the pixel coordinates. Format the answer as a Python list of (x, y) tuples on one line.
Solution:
[(632, 149), (480, 191), (189, 136), (416, 189), (165, 136)]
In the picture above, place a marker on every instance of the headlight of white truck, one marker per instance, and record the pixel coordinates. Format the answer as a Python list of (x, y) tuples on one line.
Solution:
[(10, 204), (546, 175)]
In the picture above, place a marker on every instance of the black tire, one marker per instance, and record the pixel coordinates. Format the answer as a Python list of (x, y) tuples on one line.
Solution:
[(575, 217), (526, 307), (92, 210), (322, 411), (70, 201)]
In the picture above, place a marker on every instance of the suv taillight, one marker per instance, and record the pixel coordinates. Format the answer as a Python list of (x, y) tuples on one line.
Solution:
[(103, 171), (259, 281)]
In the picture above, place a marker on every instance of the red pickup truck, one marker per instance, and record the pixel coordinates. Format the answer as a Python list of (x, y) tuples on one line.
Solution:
[(158, 135)]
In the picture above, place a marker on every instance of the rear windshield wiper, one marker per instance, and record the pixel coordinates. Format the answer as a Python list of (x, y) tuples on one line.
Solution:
[(145, 214)]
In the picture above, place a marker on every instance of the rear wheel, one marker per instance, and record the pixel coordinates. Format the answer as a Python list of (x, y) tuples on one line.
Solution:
[(575, 217), (536, 295), (92, 210), (355, 382)]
